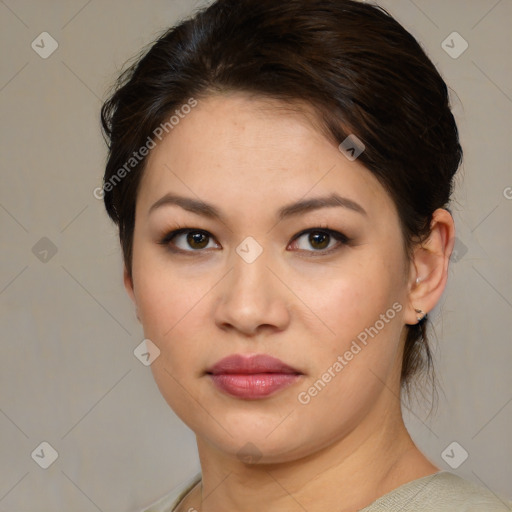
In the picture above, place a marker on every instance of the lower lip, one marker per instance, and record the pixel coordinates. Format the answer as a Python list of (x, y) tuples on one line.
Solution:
[(253, 386)]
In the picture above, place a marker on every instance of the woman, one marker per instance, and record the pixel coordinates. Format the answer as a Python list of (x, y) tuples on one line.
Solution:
[(280, 174)]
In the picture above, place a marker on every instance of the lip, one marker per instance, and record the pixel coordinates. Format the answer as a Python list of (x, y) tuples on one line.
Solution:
[(252, 377), (256, 363)]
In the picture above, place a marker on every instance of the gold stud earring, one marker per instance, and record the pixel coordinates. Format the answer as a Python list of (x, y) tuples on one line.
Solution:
[(420, 312)]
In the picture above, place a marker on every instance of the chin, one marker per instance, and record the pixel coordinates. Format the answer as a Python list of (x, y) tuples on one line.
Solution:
[(254, 442)]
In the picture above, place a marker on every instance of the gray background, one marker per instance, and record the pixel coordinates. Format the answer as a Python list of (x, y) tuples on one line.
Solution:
[(68, 375)]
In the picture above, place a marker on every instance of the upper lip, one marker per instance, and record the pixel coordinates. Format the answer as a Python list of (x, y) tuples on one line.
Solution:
[(257, 363)]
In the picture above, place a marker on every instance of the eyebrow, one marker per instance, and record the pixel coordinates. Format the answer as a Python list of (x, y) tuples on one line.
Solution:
[(300, 207)]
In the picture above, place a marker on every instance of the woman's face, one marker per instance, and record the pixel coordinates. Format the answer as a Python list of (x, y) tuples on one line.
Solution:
[(254, 281)]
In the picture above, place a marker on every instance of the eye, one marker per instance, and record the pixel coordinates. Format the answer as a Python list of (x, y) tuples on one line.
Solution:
[(192, 240), (195, 239), (320, 239)]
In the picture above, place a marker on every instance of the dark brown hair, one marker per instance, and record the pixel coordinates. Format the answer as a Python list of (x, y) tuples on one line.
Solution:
[(352, 62)]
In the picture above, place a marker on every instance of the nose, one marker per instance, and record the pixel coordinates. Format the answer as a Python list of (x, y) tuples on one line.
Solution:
[(252, 299)]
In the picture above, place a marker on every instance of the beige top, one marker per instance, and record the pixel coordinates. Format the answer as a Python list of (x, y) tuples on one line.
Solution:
[(440, 492)]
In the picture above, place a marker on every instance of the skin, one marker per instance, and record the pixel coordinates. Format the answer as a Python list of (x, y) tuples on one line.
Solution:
[(348, 445)]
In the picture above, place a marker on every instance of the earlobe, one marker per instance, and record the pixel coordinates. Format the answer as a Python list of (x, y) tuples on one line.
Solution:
[(429, 268)]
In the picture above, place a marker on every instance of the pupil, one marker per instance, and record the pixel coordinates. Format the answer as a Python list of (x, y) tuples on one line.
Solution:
[(314, 237)]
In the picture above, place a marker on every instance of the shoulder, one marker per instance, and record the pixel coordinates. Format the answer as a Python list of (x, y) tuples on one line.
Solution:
[(451, 492), (440, 492), (169, 502)]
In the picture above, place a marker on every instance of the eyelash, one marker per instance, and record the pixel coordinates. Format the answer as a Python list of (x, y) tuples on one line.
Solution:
[(340, 237)]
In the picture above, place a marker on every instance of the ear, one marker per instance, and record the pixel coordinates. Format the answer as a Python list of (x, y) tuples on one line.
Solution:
[(429, 268), (128, 284)]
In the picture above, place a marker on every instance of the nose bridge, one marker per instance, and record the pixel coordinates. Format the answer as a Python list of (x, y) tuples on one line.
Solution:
[(251, 295), (250, 274)]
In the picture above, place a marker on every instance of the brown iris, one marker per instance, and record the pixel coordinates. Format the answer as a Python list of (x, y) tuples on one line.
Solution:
[(197, 238), (320, 238)]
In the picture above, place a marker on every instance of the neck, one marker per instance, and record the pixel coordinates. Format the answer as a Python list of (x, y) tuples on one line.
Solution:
[(348, 474)]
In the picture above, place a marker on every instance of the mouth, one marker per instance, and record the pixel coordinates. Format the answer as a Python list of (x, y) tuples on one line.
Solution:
[(252, 377), (253, 364)]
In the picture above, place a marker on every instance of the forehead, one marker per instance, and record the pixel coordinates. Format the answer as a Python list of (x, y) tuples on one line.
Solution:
[(253, 152)]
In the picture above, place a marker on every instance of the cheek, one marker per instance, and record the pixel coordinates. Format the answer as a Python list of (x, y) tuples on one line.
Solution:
[(169, 314), (353, 296), (171, 306), (361, 304), (162, 294), (352, 363)]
